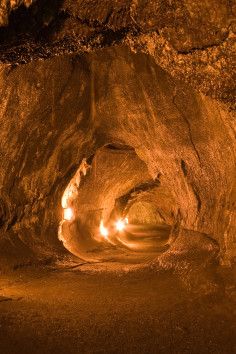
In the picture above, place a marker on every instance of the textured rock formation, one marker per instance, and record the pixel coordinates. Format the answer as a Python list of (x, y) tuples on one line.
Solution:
[(138, 108), (194, 41), (57, 112)]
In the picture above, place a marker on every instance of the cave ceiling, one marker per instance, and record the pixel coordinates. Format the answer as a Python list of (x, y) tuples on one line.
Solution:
[(192, 40)]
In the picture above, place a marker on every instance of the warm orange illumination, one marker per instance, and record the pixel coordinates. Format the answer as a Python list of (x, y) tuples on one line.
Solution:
[(68, 214), (120, 225), (71, 190), (103, 230)]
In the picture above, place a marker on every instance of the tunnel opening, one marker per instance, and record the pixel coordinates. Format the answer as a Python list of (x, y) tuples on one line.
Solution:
[(147, 169), (112, 209)]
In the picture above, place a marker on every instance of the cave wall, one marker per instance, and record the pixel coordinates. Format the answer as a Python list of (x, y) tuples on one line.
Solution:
[(56, 112)]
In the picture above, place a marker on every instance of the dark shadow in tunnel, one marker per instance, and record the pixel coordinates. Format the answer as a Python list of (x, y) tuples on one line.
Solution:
[(38, 21)]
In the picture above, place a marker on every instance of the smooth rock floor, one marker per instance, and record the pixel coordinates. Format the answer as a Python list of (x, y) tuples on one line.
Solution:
[(88, 310)]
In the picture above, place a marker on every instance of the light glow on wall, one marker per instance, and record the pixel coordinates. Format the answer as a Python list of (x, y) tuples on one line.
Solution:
[(103, 230), (68, 214)]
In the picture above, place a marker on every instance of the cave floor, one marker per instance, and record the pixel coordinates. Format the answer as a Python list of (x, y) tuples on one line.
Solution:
[(84, 310)]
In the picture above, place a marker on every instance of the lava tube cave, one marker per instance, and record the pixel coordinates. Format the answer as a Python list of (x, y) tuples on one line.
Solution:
[(117, 177)]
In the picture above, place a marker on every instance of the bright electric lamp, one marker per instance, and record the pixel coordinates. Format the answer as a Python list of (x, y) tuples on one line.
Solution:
[(68, 214), (103, 230), (120, 225)]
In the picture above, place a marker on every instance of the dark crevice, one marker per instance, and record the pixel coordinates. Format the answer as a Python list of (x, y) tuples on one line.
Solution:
[(90, 159), (117, 146), (199, 202), (184, 167), (3, 213), (4, 298), (12, 222)]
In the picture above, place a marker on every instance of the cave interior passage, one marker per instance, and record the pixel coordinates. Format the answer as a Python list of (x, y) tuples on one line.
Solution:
[(112, 208), (117, 177)]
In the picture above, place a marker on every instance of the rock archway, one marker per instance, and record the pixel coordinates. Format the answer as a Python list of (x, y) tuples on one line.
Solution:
[(63, 110)]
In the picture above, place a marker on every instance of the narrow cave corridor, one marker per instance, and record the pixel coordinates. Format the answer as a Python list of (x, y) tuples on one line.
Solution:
[(117, 177), (113, 209)]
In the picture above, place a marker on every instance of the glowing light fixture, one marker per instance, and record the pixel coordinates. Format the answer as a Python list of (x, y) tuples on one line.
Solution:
[(120, 225), (68, 214), (103, 230)]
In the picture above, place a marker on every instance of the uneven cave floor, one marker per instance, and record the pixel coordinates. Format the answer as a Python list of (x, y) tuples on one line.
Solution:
[(110, 308)]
